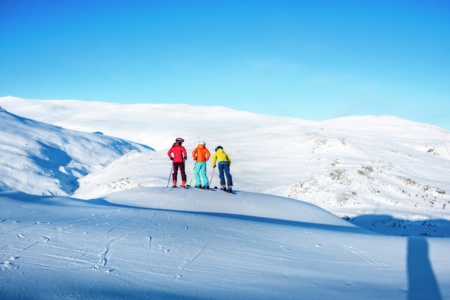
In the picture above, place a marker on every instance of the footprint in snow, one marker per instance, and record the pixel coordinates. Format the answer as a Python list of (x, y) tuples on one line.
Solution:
[(8, 265), (285, 249), (163, 249)]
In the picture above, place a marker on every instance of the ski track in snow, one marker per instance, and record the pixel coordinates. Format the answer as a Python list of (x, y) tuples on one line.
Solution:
[(348, 248), (85, 251), (185, 264), (7, 264), (108, 249)]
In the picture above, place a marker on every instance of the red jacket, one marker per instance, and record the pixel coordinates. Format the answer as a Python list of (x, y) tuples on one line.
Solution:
[(177, 152)]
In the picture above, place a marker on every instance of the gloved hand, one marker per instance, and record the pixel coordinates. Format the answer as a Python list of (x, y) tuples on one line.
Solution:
[(171, 158)]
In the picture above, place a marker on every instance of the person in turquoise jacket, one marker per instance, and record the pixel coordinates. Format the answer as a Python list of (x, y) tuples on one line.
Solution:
[(223, 161), (201, 155)]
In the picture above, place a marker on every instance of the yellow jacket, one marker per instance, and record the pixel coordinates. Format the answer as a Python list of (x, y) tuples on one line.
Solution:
[(220, 156)]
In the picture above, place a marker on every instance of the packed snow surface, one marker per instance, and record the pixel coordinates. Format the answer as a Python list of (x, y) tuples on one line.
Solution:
[(166, 243)]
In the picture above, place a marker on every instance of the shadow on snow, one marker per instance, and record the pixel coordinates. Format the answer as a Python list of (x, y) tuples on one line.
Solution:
[(388, 225), (422, 283)]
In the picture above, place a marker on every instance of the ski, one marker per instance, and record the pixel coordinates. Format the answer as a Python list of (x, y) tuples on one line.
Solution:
[(227, 191), (181, 187), (211, 189), (201, 188)]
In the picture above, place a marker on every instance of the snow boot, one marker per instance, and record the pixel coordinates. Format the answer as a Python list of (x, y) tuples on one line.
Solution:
[(174, 184)]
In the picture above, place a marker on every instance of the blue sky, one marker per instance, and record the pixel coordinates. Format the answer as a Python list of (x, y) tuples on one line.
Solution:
[(312, 60)]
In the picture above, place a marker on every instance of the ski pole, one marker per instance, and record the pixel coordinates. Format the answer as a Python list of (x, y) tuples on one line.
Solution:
[(193, 174), (170, 174), (212, 175)]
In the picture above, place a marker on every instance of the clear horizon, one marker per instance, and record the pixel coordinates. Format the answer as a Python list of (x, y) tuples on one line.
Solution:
[(312, 61)]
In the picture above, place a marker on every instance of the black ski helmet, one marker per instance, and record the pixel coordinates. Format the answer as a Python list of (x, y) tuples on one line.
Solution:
[(179, 140), (219, 147)]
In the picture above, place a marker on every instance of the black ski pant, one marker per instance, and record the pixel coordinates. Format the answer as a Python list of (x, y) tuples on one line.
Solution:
[(179, 165), (224, 170)]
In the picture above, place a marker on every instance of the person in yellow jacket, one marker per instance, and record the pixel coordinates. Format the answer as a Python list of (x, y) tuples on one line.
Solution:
[(224, 162), (201, 155)]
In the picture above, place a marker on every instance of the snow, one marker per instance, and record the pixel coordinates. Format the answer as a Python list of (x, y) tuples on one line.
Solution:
[(88, 215)]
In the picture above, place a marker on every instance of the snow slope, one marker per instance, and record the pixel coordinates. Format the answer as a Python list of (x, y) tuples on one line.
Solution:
[(164, 243), (381, 172), (38, 158)]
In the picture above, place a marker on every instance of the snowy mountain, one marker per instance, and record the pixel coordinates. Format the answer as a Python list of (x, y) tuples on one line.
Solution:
[(381, 172), (124, 234), (43, 159)]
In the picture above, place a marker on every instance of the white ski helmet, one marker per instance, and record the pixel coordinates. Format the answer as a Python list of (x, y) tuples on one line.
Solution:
[(202, 143)]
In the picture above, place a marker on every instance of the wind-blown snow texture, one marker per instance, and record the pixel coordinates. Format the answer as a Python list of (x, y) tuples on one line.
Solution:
[(133, 237)]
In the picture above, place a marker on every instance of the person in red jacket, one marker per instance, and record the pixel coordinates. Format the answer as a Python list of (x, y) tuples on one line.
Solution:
[(178, 155)]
